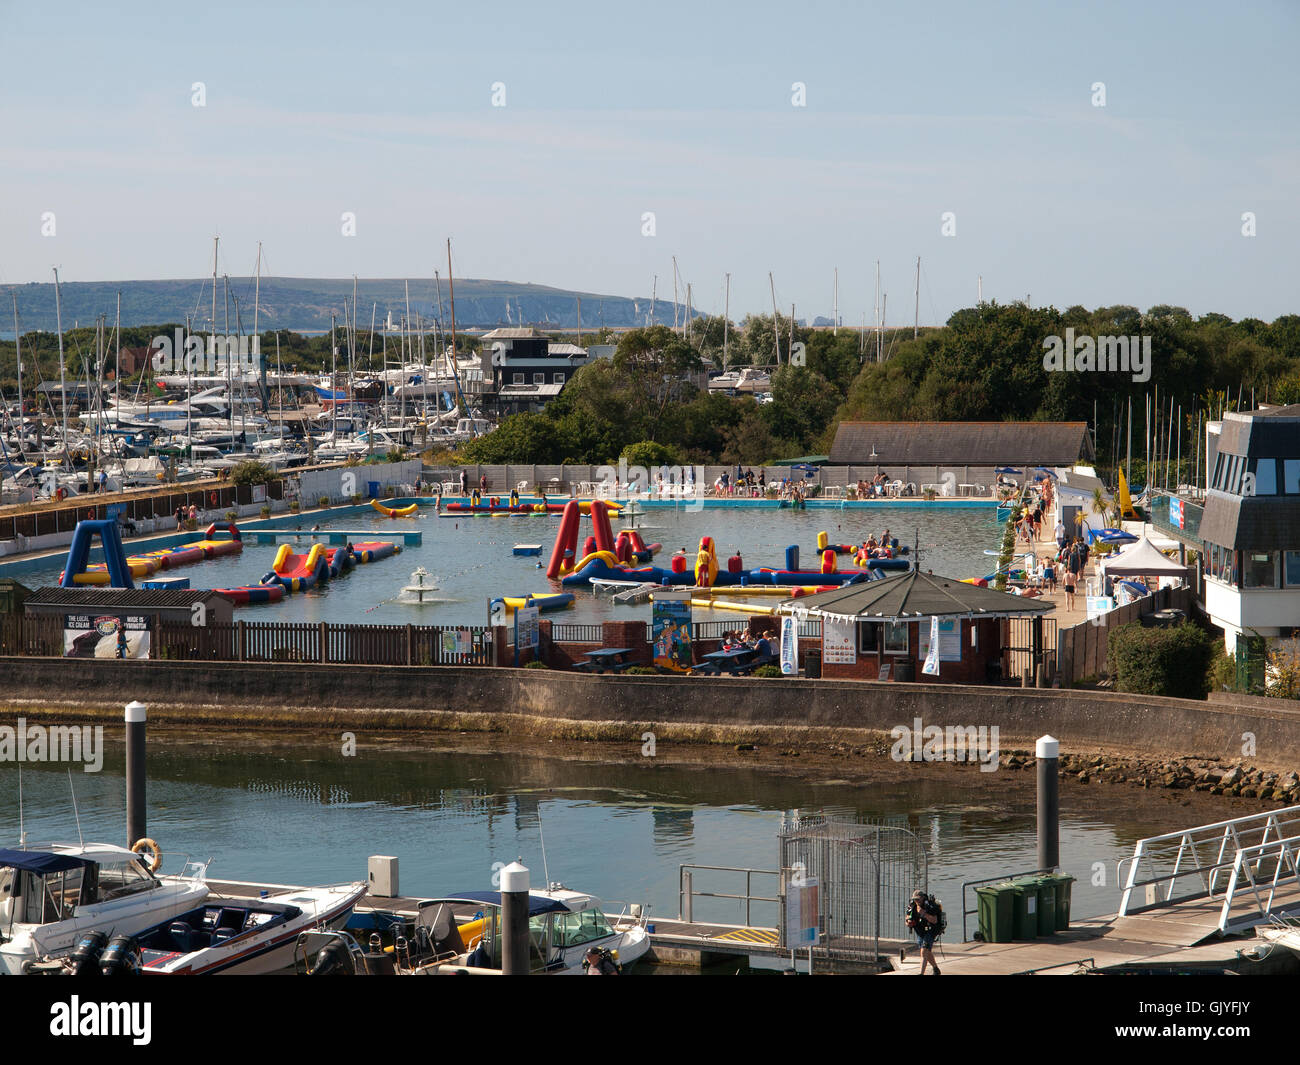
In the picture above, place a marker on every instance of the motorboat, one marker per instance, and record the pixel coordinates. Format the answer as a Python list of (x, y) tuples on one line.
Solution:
[(463, 933), (53, 893), (234, 936)]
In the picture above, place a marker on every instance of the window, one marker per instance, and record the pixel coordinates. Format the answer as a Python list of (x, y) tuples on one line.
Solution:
[(1259, 569), (1219, 465), (868, 638), (1234, 476), (539, 378), (896, 637), (559, 378), (118, 879), (1266, 477), (1291, 476), (575, 929), (1292, 569), (517, 379)]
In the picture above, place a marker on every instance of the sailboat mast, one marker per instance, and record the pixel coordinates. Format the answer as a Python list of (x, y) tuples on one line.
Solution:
[(117, 362), (916, 317), (776, 323), (18, 359), (63, 388), (835, 324), (726, 323)]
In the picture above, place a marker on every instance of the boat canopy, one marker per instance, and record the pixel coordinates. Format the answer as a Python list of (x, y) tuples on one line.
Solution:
[(41, 861), (537, 904)]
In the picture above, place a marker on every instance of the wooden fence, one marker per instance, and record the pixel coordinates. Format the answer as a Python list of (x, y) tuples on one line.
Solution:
[(1082, 649)]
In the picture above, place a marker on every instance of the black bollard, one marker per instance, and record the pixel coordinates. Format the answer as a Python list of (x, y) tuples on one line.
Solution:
[(135, 772), (1049, 802), (514, 920)]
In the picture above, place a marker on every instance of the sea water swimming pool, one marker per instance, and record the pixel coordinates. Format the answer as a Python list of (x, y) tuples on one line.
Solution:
[(471, 556)]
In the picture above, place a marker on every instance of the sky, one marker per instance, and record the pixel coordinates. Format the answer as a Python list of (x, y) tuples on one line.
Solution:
[(584, 145)]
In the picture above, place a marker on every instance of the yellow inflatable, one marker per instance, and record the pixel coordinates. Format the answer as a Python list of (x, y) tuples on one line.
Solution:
[(608, 557), (395, 512)]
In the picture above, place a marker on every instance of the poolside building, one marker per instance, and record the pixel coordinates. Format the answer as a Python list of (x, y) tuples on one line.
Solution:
[(882, 630), (1250, 526)]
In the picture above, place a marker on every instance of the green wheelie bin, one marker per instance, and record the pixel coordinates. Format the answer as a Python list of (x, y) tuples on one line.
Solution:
[(1063, 882), (1024, 909), (1046, 886), (996, 906)]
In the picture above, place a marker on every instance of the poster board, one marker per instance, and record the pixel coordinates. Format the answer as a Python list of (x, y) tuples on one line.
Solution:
[(670, 631), (107, 635), (838, 647)]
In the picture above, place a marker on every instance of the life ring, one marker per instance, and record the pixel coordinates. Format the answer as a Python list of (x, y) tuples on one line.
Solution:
[(146, 844), (60, 494), (90, 514), (213, 498)]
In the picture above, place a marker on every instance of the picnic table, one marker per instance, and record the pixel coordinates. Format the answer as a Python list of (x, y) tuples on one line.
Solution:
[(737, 660), (613, 659)]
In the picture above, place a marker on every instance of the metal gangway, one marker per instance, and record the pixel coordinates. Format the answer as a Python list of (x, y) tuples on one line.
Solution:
[(1247, 869)]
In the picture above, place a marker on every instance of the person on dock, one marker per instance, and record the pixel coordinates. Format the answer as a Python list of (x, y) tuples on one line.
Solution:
[(923, 918), (463, 482)]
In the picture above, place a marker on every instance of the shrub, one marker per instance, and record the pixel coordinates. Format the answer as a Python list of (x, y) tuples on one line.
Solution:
[(294, 506), (250, 471), (768, 671), (231, 515), (323, 501), (535, 664), (1173, 661), (642, 670), (1284, 672), (265, 511), (1223, 673)]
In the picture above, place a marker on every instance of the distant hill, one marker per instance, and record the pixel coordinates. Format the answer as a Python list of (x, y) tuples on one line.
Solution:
[(302, 303)]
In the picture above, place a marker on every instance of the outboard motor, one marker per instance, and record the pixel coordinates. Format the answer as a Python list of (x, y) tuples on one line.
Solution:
[(84, 959), (122, 958), (333, 960)]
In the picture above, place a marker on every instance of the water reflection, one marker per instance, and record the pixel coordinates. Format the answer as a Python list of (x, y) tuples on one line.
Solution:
[(296, 812)]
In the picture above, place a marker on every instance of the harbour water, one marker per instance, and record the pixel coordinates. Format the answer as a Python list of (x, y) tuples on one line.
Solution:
[(471, 558), (293, 809)]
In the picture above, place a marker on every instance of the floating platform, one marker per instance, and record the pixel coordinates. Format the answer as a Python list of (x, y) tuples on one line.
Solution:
[(329, 536), (528, 549)]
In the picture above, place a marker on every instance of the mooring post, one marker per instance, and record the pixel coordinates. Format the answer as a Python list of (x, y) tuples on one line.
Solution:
[(514, 920), (135, 772), (1049, 804)]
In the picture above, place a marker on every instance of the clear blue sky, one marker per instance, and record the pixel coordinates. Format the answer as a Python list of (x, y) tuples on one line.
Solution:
[(683, 109)]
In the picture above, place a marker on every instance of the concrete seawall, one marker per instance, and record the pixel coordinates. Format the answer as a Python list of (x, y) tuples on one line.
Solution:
[(293, 695)]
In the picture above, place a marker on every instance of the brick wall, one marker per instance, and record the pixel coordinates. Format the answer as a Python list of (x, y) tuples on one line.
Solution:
[(972, 669)]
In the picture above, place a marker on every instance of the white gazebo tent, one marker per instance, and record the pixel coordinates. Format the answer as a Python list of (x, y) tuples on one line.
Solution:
[(1142, 559)]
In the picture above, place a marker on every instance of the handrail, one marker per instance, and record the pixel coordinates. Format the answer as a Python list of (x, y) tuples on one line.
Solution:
[(989, 880), (1239, 844), (686, 893)]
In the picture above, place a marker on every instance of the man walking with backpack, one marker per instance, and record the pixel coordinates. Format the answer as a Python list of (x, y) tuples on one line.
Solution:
[(925, 919)]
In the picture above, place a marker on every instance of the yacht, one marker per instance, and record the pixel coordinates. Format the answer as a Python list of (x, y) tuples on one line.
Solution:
[(463, 931), (53, 893)]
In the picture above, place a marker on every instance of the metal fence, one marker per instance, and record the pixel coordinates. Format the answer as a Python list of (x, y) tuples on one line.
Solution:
[(864, 872), (571, 633), (379, 645)]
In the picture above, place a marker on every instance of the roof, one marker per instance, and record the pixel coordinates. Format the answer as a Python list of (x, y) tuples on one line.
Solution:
[(913, 595), (960, 443), (512, 333), (1252, 523), (537, 904), (530, 391), (135, 598), (41, 861)]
